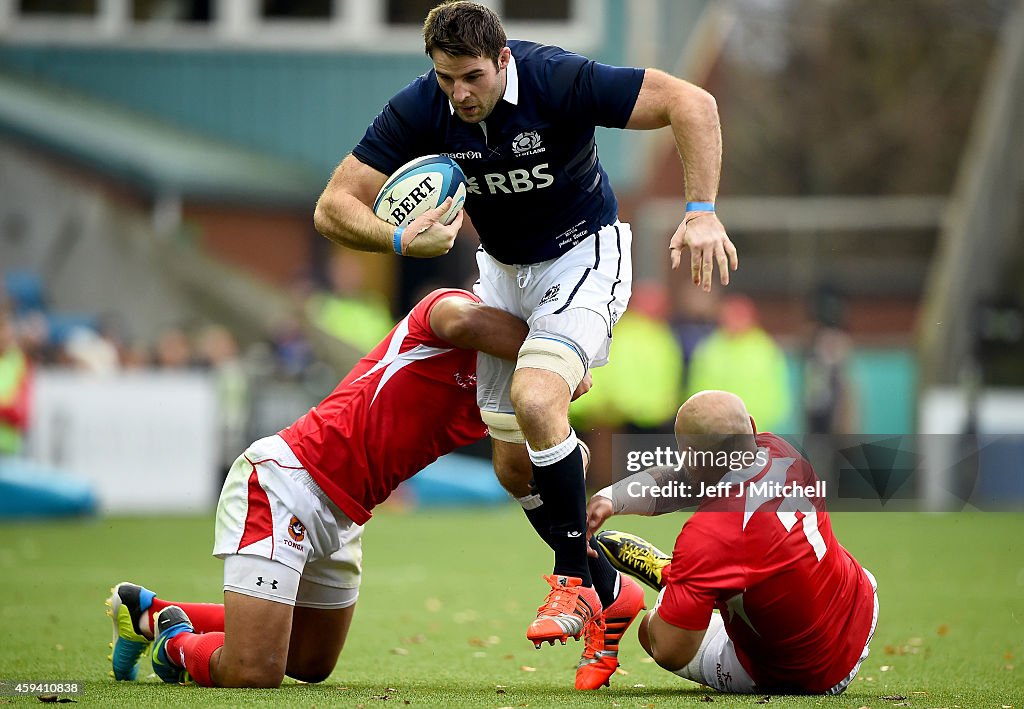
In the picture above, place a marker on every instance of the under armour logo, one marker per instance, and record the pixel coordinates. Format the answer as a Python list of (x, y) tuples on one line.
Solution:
[(260, 582)]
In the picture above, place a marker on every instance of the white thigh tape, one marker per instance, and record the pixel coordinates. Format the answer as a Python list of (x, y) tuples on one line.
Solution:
[(503, 427), (558, 356)]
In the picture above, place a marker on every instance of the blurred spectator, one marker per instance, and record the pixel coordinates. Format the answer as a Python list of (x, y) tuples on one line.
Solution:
[(638, 390), (742, 358), (89, 351), (829, 400), (34, 336), (114, 328), (173, 349), (350, 312), (694, 317), (219, 351), (292, 348), (15, 386), (640, 386)]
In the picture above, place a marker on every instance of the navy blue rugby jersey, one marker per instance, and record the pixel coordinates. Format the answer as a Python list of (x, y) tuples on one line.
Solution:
[(536, 187)]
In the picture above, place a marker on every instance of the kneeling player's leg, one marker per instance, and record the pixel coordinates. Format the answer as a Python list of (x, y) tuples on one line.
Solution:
[(256, 636), (253, 649), (324, 606), (265, 545), (318, 636)]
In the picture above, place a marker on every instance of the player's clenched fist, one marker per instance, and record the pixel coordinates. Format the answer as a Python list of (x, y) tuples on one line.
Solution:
[(426, 236)]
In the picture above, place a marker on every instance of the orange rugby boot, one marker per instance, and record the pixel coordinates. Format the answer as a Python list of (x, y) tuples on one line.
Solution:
[(591, 671), (565, 612), (600, 659)]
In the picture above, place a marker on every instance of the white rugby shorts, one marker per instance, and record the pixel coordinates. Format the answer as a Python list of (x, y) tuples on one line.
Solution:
[(586, 289), (281, 537)]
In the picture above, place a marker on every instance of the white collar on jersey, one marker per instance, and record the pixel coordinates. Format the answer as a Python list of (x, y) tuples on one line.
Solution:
[(511, 94)]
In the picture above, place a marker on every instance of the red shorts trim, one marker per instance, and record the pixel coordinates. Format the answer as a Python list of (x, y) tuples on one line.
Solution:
[(259, 521)]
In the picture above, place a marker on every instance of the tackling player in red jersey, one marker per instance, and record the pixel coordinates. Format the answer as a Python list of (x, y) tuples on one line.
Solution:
[(290, 515), (796, 610)]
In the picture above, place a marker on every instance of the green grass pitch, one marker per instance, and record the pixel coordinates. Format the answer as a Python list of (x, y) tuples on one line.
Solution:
[(447, 595)]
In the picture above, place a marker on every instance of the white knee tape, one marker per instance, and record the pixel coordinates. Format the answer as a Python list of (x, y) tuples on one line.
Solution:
[(503, 427), (553, 355)]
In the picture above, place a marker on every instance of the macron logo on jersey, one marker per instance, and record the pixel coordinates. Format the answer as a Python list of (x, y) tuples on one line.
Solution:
[(394, 361)]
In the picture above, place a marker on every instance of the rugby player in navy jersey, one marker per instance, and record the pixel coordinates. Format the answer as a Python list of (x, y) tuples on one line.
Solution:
[(520, 120)]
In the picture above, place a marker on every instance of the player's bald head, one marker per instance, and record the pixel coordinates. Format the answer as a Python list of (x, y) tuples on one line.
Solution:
[(713, 413), (714, 421)]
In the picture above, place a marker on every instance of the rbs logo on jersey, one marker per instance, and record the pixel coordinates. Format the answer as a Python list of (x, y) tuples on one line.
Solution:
[(518, 180)]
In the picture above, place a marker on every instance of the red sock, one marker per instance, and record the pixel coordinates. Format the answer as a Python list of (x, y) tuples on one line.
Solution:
[(196, 649), (205, 617)]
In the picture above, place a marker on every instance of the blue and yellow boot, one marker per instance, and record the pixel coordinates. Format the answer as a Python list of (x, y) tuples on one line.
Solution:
[(127, 603), (169, 622)]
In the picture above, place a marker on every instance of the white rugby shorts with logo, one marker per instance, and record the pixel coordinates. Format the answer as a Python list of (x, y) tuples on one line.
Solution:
[(576, 297), (281, 537)]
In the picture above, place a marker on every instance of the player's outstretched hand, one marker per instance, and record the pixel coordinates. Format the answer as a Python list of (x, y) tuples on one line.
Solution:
[(703, 234), (599, 509), (426, 237)]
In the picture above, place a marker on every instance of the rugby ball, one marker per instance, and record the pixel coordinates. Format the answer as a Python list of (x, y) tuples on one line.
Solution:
[(419, 185)]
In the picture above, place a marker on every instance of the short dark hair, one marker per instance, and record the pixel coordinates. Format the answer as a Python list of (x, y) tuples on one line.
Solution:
[(464, 29)]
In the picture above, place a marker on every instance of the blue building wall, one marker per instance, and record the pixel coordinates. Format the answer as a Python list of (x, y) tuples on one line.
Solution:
[(310, 107), (306, 106), (884, 381)]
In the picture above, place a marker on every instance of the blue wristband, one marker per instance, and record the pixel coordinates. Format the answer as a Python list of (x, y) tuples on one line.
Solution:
[(700, 206), (398, 240)]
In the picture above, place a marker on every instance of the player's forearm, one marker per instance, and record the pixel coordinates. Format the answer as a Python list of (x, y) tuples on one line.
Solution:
[(345, 220), (692, 114), (698, 136), (488, 330), (635, 495)]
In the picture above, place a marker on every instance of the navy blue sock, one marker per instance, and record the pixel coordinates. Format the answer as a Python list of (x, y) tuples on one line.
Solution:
[(604, 575), (602, 572), (559, 478)]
